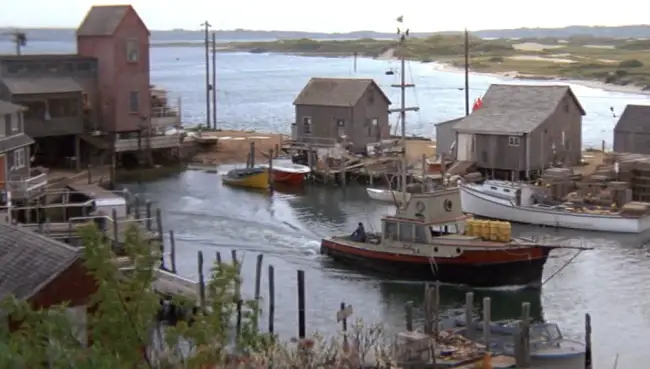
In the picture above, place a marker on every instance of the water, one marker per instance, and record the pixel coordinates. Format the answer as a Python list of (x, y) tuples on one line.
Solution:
[(256, 92)]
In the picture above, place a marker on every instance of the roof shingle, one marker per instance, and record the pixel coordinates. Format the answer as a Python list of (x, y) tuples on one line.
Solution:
[(335, 91), (515, 109), (635, 119), (28, 261)]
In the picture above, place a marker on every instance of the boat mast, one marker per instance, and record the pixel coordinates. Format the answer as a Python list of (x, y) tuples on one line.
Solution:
[(403, 34)]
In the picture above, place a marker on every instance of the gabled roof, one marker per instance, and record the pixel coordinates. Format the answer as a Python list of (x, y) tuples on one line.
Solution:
[(29, 261), (103, 20), (635, 119), (9, 143), (515, 109), (336, 91)]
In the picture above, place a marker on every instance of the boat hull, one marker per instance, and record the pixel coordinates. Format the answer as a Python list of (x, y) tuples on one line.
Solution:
[(480, 268), (257, 179), (286, 178), (385, 195), (481, 204)]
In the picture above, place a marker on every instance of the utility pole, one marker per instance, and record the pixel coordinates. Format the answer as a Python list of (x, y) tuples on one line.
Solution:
[(214, 80), (207, 26), (403, 109), (19, 40), (466, 72)]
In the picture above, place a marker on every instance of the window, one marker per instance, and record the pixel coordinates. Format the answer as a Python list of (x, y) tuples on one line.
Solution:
[(19, 159), (13, 123), (371, 97), (3, 125), (340, 122), (372, 126), (35, 109), (134, 103), (406, 232), (421, 234), (566, 107), (306, 124), (131, 51), (63, 108), (514, 140), (390, 230), (83, 66)]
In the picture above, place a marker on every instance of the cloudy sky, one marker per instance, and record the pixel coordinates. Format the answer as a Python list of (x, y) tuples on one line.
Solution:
[(338, 15)]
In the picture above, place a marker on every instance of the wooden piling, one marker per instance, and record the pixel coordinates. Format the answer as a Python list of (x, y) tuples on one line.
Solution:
[(236, 264), (424, 170), (436, 309), (271, 298), (172, 251), (116, 231), (129, 207), (149, 215), (408, 309), (428, 309), (258, 286), (522, 343), (301, 304), (239, 316), (136, 206), (588, 362), (487, 319), (469, 314), (218, 256), (277, 151), (342, 316), (201, 281), (343, 173), (271, 169), (252, 154)]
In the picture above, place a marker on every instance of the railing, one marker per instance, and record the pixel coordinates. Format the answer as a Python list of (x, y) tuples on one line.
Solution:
[(53, 127), (307, 140), (25, 186), (153, 142)]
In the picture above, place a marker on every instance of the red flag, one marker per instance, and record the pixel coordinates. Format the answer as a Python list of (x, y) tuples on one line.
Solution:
[(478, 103)]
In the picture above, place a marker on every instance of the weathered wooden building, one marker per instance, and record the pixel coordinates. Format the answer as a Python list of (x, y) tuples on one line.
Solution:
[(446, 137), (329, 108), (522, 128), (632, 131), (16, 173), (45, 273)]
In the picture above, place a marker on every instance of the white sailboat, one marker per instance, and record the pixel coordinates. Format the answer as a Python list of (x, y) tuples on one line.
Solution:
[(515, 202), (388, 194)]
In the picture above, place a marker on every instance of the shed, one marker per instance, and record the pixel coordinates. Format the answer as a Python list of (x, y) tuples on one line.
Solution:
[(446, 137), (522, 128), (632, 131), (329, 108)]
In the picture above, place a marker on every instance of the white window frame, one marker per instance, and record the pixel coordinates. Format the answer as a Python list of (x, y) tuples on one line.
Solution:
[(133, 94), (15, 123), (19, 158), (306, 123), (514, 140), (132, 44)]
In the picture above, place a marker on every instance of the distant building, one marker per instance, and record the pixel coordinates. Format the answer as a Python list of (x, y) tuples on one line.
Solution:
[(632, 131), (446, 137), (522, 129), (45, 273), (16, 173), (329, 108)]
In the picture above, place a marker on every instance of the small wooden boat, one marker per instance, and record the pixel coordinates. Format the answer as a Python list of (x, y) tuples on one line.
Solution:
[(288, 173), (247, 177)]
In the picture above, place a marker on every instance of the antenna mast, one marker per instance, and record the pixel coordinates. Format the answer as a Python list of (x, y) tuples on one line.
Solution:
[(19, 40), (208, 87), (403, 35)]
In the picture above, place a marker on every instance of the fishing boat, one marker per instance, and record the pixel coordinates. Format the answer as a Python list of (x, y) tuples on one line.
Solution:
[(288, 173), (547, 344), (247, 177), (386, 195), (430, 238), (517, 202)]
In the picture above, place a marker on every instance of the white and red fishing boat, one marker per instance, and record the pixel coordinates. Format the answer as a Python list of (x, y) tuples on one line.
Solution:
[(288, 173)]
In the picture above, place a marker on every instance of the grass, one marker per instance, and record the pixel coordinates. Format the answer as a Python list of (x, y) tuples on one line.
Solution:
[(605, 60)]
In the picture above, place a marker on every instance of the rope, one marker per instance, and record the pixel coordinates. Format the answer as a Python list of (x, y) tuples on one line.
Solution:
[(562, 267)]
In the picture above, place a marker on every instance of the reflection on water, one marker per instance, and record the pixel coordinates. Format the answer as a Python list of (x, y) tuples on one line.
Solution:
[(610, 282)]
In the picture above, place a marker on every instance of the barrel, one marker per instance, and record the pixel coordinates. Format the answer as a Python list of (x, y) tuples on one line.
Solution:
[(494, 230), (469, 227)]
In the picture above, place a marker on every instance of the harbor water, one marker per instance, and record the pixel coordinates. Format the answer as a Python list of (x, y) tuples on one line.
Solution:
[(256, 92)]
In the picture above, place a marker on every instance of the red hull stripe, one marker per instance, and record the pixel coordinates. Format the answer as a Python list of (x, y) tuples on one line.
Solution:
[(467, 257), (289, 178)]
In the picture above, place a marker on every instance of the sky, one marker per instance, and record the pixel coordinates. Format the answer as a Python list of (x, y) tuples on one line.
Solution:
[(338, 15)]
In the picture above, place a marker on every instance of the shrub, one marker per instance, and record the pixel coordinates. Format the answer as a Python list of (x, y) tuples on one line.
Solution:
[(630, 63)]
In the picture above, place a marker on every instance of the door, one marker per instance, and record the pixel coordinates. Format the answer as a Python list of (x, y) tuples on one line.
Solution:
[(464, 147), (3, 171)]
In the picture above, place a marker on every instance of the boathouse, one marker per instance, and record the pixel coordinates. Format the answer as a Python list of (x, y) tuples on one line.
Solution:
[(45, 273), (16, 173), (331, 109), (632, 131), (446, 136), (522, 129)]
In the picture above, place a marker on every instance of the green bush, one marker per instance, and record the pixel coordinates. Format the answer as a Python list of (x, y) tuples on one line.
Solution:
[(630, 63)]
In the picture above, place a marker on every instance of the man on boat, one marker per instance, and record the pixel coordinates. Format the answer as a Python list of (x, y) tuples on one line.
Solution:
[(359, 235)]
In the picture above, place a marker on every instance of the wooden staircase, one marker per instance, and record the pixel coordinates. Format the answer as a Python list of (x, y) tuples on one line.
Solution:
[(461, 167)]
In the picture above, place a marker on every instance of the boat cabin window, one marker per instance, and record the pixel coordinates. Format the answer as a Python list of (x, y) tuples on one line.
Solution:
[(506, 190), (406, 232), (390, 230), (494, 188), (545, 332), (443, 230), (421, 234)]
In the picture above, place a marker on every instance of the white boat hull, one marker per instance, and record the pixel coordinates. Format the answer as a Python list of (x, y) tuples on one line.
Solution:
[(485, 205), (384, 195)]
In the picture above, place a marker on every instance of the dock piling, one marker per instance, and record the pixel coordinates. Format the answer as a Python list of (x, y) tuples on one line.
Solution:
[(271, 298), (149, 215), (469, 314), (271, 169), (136, 206), (201, 281), (252, 154), (424, 169), (408, 309), (218, 256), (428, 309), (258, 285), (172, 251), (588, 364), (116, 240), (301, 304), (236, 264), (522, 344), (436, 309), (487, 318)]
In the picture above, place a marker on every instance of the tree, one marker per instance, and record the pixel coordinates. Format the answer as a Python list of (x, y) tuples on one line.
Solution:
[(122, 321)]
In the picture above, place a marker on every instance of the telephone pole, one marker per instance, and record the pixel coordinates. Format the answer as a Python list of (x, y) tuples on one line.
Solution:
[(466, 72), (214, 80), (207, 26), (19, 39)]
